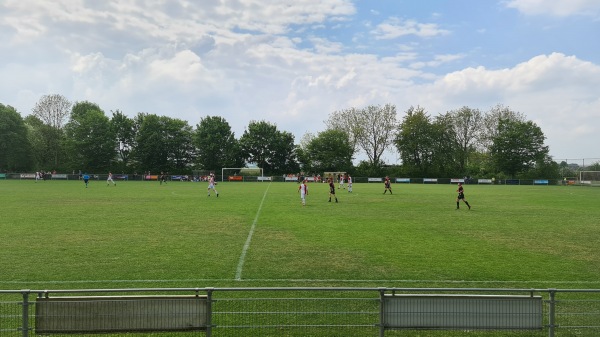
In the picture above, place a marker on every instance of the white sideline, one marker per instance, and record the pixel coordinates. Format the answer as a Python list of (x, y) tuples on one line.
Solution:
[(298, 280), (238, 273)]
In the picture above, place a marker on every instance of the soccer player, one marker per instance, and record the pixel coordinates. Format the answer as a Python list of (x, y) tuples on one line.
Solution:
[(163, 177), (86, 179), (349, 184), (110, 179), (461, 196), (211, 184), (341, 177), (332, 190), (388, 185), (303, 189)]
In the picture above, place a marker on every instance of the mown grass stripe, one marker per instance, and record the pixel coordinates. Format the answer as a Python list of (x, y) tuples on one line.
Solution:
[(240, 267)]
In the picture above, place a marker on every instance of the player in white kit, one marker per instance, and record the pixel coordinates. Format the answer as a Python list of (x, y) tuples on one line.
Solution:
[(303, 189), (349, 184), (110, 179), (211, 184)]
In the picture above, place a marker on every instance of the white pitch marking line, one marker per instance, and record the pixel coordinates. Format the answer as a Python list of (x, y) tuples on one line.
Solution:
[(238, 273), (298, 280)]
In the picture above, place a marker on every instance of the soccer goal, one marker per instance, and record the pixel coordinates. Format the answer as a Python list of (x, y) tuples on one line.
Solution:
[(589, 178), (238, 173)]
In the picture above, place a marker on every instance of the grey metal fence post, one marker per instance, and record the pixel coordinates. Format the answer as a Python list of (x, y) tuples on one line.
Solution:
[(551, 312), (25, 318), (381, 322), (209, 312)]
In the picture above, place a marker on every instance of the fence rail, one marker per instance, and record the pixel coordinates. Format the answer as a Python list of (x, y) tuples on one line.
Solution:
[(300, 312)]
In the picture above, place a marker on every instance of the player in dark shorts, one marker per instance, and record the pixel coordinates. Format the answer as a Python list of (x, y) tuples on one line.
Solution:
[(332, 190), (86, 179), (388, 185), (461, 196)]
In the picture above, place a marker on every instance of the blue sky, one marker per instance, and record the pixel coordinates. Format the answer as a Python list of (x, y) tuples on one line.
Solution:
[(292, 63)]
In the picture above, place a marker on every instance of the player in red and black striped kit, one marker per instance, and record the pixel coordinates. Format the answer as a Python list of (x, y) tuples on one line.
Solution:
[(332, 190), (461, 196), (388, 185)]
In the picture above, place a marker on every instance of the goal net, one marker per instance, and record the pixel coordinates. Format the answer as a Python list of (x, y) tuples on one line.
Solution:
[(591, 178), (238, 173)]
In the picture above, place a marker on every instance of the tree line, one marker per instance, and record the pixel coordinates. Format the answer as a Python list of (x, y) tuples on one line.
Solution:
[(64, 136)]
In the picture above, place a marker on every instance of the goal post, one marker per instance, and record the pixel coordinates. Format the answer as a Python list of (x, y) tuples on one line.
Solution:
[(589, 178), (226, 172)]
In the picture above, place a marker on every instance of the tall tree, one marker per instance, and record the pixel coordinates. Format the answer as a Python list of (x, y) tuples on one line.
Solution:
[(304, 158), (123, 128), (162, 143), (467, 125), (89, 138), (517, 146), (415, 142), (46, 143), (446, 149), (269, 148), (346, 120), (53, 110), (491, 122), (179, 144), (149, 152), (15, 148), (216, 144), (372, 128), (379, 129), (330, 151)]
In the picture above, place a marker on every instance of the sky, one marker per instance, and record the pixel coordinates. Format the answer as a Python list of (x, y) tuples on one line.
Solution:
[(293, 63)]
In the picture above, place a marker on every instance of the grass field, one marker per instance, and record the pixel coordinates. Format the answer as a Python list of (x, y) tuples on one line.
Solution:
[(58, 234)]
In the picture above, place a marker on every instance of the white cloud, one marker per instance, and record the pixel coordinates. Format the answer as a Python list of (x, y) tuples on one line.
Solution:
[(394, 28), (184, 67), (437, 61), (325, 46), (556, 7), (187, 61), (165, 20), (557, 92)]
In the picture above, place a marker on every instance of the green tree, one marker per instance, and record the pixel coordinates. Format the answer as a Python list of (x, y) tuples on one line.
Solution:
[(44, 140), (302, 154), (216, 144), (330, 151), (346, 120), (593, 167), (15, 148), (415, 142), (467, 125), (446, 149), (162, 144), (150, 153), (123, 129), (179, 144), (89, 138), (565, 170), (269, 148), (491, 123), (545, 168), (53, 111), (372, 129), (517, 147)]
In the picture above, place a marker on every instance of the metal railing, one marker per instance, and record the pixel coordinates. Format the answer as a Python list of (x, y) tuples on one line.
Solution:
[(298, 312)]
